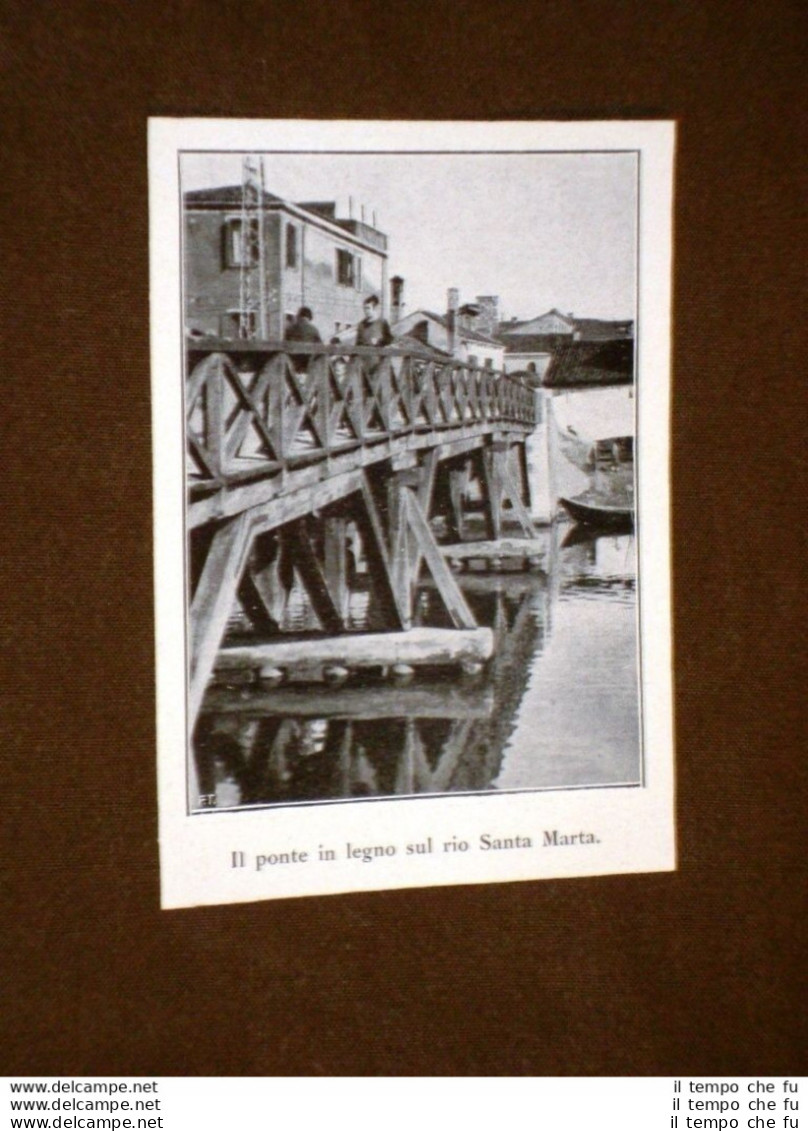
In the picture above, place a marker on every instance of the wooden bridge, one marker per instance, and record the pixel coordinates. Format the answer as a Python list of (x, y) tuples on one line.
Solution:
[(298, 455)]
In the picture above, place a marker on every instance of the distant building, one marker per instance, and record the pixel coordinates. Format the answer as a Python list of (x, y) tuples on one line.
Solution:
[(464, 345), (453, 333), (311, 257), (531, 345)]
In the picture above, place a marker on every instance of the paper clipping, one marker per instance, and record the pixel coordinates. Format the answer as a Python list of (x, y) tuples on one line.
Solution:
[(411, 491)]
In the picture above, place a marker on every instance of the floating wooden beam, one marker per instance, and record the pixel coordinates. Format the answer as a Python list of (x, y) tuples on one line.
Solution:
[(512, 583), (356, 651), (498, 548)]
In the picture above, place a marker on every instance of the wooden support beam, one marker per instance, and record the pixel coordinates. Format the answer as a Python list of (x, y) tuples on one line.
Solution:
[(458, 479), (271, 573), (424, 492), (453, 600), (426, 487), (214, 413), (213, 602), (524, 472), (335, 550), (512, 492), (297, 543), (493, 491), (255, 605), (374, 539), (266, 483)]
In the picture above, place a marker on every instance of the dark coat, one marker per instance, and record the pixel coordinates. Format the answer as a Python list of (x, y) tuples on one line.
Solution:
[(301, 330), (373, 332)]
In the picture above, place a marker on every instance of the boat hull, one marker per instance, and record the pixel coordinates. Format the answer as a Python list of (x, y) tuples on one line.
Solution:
[(602, 515)]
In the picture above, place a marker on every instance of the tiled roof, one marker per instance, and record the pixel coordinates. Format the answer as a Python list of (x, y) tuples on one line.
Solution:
[(587, 329), (461, 331), (578, 364), (228, 196), (597, 330), (532, 343), (415, 345)]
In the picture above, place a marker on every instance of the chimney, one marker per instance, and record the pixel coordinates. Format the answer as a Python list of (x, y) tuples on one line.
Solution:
[(396, 299), (489, 316), (452, 300)]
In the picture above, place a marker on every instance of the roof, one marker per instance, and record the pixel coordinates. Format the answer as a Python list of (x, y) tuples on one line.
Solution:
[(531, 343), (415, 345), (580, 364), (586, 329), (232, 196), (596, 329), (460, 331), (229, 196), (517, 326)]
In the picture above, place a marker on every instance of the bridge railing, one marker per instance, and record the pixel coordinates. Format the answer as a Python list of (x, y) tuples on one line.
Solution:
[(253, 407)]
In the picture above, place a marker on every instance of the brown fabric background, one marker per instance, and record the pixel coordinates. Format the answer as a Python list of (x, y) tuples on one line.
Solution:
[(695, 973)]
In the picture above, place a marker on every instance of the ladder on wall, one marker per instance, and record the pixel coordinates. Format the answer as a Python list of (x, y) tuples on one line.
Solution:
[(252, 282)]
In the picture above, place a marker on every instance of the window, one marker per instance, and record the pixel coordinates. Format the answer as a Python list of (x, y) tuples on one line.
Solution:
[(238, 251), (345, 268), (291, 245)]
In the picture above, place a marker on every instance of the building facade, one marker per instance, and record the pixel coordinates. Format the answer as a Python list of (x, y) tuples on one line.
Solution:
[(452, 335), (291, 255)]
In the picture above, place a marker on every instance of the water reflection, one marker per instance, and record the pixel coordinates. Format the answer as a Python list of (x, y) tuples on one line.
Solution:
[(556, 707)]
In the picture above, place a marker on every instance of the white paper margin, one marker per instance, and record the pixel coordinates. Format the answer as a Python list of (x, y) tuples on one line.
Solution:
[(635, 826)]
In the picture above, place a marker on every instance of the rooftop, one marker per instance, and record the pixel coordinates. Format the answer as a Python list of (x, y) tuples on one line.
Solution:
[(461, 330), (232, 197), (581, 364)]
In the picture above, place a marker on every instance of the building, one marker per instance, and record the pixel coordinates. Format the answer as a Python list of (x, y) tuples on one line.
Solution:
[(453, 333), (530, 346), (556, 328), (310, 257)]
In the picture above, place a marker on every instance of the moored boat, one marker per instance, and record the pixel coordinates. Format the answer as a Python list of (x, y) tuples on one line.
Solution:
[(602, 511)]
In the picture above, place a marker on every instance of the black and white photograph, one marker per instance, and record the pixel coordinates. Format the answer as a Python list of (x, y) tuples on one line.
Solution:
[(410, 388)]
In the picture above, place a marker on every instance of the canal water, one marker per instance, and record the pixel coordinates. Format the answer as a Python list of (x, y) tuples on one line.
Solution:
[(557, 707)]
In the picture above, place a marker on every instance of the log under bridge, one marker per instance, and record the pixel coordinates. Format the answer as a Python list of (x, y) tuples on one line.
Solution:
[(301, 458)]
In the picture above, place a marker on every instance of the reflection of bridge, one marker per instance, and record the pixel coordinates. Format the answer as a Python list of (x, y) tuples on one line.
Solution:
[(267, 746), (298, 453)]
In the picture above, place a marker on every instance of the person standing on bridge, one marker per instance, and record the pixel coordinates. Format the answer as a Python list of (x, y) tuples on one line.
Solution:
[(302, 329), (373, 330)]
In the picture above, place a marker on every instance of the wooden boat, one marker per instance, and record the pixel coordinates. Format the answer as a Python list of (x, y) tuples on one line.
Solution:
[(602, 511)]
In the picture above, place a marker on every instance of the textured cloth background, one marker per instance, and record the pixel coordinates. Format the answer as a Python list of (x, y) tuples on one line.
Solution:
[(693, 973)]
